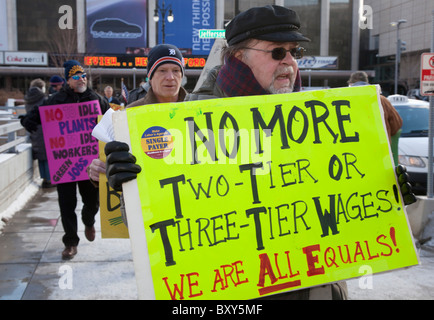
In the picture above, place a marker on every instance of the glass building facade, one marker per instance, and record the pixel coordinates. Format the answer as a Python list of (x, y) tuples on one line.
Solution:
[(37, 23), (335, 40)]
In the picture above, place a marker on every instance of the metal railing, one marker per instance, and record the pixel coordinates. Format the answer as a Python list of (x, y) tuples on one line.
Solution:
[(10, 125), (13, 112), (9, 132)]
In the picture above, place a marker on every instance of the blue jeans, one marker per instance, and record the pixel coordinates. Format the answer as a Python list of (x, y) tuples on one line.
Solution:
[(43, 170)]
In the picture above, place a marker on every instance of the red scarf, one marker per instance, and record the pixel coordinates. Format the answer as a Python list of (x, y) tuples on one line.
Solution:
[(236, 79)]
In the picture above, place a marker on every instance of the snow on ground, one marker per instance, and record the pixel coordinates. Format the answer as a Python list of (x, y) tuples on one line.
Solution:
[(25, 196), (19, 203)]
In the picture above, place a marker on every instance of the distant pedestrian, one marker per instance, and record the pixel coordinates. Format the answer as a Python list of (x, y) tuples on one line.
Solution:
[(34, 98), (56, 83), (108, 94)]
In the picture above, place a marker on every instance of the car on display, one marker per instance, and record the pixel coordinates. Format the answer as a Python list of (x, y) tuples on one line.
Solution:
[(413, 142)]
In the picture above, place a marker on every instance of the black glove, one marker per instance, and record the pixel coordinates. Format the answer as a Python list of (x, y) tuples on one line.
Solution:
[(28, 124), (121, 165), (404, 185)]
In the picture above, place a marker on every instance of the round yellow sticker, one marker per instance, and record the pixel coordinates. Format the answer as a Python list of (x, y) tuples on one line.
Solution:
[(157, 142)]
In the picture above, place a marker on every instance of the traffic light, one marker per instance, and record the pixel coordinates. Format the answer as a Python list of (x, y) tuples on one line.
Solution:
[(403, 46)]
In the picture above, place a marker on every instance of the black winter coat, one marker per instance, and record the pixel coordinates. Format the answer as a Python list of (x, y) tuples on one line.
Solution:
[(34, 98)]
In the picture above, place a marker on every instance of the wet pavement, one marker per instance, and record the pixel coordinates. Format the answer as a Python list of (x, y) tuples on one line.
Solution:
[(31, 267)]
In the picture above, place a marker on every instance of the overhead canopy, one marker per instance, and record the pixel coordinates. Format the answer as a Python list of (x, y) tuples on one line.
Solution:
[(33, 71), (40, 71)]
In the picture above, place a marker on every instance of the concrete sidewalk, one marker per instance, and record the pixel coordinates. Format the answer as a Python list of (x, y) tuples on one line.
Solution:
[(31, 267)]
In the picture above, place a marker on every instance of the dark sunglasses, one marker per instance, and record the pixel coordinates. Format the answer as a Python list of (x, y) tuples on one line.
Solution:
[(77, 77), (280, 53)]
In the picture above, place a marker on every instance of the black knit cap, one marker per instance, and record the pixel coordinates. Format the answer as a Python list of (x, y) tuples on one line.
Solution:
[(164, 53), (270, 23)]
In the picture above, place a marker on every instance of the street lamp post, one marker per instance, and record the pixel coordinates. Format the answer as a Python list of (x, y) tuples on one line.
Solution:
[(163, 10), (398, 50)]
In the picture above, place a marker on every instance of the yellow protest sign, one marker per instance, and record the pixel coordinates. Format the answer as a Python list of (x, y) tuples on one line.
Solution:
[(112, 225), (252, 196)]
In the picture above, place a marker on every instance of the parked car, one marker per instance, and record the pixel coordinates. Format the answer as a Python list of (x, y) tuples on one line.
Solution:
[(413, 142)]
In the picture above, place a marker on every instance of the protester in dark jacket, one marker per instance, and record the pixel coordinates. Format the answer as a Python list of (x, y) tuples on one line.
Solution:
[(34, 98), (74, 91)]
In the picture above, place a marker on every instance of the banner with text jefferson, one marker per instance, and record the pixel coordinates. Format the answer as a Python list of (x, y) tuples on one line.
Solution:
[(253, 196)]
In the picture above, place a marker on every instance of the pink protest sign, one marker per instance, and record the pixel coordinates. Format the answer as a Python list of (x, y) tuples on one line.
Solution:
[(68, 139)]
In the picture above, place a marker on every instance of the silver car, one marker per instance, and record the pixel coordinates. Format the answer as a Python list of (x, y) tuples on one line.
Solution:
[(413, 143)]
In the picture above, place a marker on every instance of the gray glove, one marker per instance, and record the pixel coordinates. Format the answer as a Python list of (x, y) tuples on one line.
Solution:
[(121, 165)]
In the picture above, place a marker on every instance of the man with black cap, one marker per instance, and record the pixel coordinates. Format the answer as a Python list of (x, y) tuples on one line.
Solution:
[(75, 90), (263, 45)]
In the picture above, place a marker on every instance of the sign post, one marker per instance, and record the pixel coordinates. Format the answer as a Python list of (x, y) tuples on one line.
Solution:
[(427, 75), (427, 89)]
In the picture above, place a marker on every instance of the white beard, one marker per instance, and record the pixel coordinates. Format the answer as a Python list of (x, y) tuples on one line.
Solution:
[(80, 89), (273, 90), (288, 89)]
